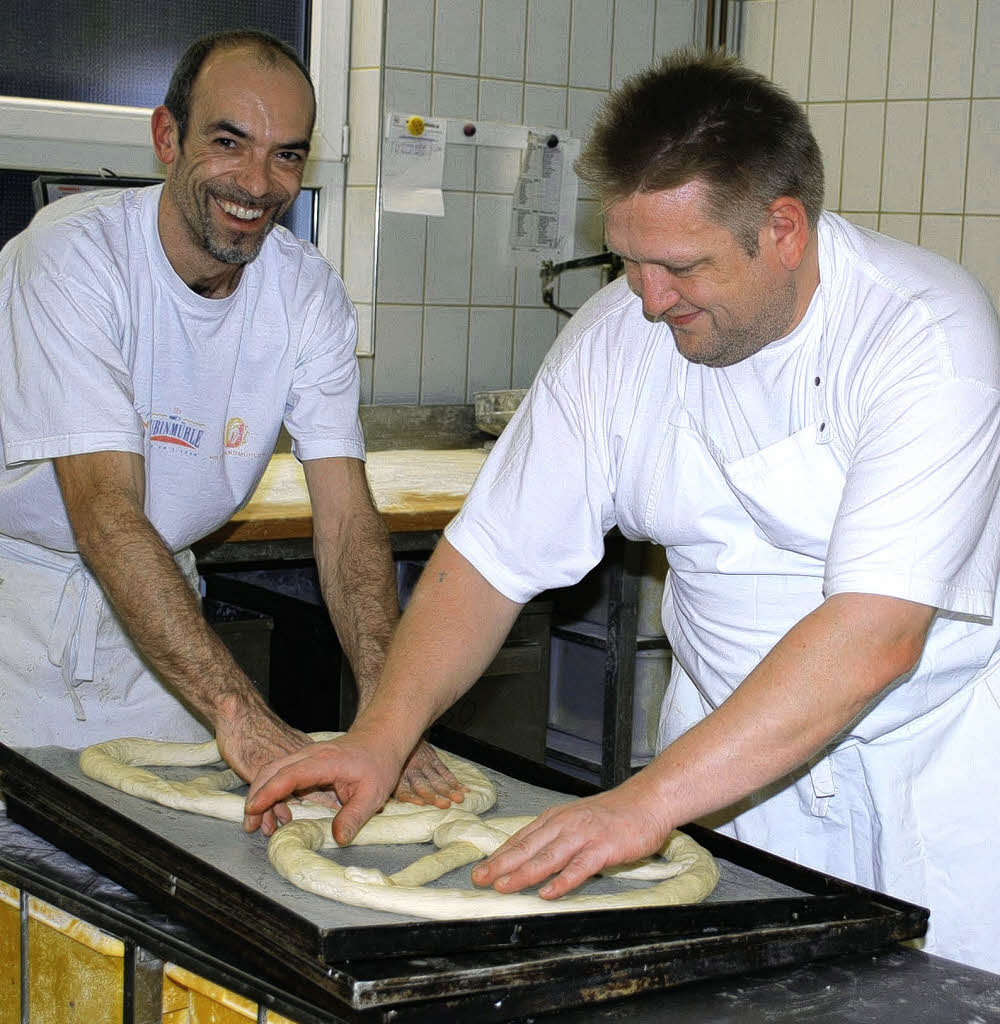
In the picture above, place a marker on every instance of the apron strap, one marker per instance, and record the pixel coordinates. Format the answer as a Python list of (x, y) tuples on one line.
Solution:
[(823, 788), (73, 639)]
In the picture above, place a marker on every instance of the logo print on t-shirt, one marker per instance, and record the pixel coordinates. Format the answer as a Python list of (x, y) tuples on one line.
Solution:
[(174, 429), (237, 433)]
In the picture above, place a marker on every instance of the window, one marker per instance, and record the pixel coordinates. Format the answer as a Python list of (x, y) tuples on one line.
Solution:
[(86, 106)]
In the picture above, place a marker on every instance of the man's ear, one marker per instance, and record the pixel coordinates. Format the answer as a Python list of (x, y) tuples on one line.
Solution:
[(787, 228), (166, 137)]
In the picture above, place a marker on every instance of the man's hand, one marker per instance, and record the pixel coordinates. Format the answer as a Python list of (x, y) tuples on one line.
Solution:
[(426, 780), (574, 841), (357, 773), (251, 739)]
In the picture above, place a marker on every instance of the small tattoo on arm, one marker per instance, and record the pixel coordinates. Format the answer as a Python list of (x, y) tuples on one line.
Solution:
[(442, 576)]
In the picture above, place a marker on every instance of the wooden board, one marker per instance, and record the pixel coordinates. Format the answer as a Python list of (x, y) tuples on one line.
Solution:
[(414, 489)]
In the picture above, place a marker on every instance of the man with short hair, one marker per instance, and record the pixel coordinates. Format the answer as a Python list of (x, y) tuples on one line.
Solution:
[(807, 416), (153, 342)]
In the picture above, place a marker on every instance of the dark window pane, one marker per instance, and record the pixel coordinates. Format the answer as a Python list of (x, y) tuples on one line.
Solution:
[(121, 52), (17, 207)]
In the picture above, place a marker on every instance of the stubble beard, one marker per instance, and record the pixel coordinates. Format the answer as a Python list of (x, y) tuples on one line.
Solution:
[(234, 248), (733, 343)]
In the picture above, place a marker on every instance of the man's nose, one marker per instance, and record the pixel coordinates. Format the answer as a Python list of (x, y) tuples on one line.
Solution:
[(255, 175), (658, 290)]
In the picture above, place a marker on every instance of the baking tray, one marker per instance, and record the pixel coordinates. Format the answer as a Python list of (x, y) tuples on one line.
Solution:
[(371, 966)]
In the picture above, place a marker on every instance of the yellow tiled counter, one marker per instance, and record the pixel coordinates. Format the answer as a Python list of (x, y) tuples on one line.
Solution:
[(75, 971), (10, 954), (190, 999)]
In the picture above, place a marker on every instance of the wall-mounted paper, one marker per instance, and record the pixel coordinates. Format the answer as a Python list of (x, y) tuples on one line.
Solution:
[(543, 215), (413, 164)]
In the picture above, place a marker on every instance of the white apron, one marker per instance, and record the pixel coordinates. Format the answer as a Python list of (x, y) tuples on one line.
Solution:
[(909, 802), (69, 675)]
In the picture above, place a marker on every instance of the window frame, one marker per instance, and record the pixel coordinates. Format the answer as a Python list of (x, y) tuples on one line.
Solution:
[(69, 137)]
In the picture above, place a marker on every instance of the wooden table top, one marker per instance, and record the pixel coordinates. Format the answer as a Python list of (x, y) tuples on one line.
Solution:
[(414, 489)]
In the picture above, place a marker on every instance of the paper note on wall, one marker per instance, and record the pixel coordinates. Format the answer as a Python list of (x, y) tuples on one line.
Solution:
[(543, 213), (413, 164)]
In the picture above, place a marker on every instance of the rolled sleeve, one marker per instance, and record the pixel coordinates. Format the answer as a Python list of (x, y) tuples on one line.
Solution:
[(537, 514)]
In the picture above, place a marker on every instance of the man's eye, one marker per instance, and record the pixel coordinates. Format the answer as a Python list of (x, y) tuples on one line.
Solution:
[(290, 156), (226, 143)]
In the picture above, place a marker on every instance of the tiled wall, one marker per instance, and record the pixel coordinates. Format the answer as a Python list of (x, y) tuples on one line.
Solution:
[(904, 97), (449, 316)]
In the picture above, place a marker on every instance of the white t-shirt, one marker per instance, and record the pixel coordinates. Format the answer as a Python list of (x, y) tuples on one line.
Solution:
[(885, 405), (105, 348)]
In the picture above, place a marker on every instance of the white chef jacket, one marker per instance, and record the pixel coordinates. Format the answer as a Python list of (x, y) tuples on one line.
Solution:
[(859, 454), (103, 347)]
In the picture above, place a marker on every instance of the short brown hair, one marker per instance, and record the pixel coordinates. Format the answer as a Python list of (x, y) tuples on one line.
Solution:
[(706, 117), (269, 48)]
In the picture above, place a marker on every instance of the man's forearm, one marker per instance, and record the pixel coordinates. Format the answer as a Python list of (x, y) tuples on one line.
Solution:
[(142, 581), (359, 586), (451, 630), (818, 679)]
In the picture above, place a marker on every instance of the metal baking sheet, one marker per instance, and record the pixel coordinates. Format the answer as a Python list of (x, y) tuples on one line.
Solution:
[(766, 911)]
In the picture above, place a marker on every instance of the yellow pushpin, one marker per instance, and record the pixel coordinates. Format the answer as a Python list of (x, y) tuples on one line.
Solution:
[(415, 125)]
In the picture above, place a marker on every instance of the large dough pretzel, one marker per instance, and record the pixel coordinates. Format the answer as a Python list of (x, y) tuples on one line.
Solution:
[(683, 870)]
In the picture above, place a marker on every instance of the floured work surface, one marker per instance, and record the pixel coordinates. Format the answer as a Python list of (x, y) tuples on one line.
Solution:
[(764, 911)]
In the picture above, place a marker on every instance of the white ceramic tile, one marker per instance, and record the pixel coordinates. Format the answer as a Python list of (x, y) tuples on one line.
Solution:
[(492, 270), (986, 79), (528, 287), (452, 96), (576, 286), (942, 234), (632, 48), (547, 48), (460, 167), (827, 120), (904, 226), (677, 25), (859, 187), (534, 332), (981, 252), (830, 42), (366, 364), (757, 42), (497, 168), (945, 156), (792, 34), (590, 44), (910, 48), (864, 220), (359, 241), (491, 334), (363, 118), (952, 47), (983, 189), (396, 376), (582, 105), (407, 92), (500, 101), (366, 33), (545, 106), (449, 251), (444, 358), (902, 167), (409, 34), (866, 77), (503, 38), (400, 275), (456, 37)]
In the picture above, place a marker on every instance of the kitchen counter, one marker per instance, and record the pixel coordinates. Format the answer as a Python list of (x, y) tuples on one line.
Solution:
[(414, 490)]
